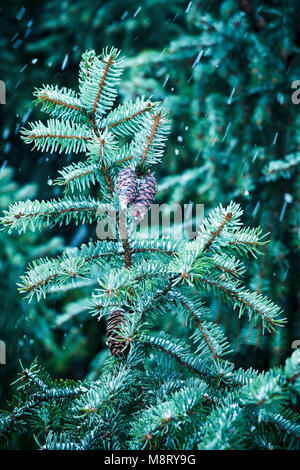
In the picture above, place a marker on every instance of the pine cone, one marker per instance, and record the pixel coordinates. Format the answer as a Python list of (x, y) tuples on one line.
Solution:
[(145, 196), (115, 343), (126, 186)]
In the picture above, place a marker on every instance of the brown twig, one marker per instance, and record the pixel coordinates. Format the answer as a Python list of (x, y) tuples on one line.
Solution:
[(227, 217)]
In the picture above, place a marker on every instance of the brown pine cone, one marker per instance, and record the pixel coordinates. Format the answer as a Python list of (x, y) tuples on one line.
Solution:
[(117, 346), (145, 196), (126, 186)]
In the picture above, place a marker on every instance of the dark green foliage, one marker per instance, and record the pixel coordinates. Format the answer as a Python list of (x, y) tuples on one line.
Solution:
[(50, 329), (227, 79), (16, 315)]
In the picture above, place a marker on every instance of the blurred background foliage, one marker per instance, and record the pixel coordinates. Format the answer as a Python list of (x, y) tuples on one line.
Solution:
[(224, 70)]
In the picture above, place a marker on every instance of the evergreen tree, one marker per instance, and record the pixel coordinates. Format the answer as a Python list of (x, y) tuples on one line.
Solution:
[(165, 383), (225, 71)]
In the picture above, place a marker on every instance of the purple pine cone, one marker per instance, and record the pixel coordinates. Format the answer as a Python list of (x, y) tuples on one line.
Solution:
[(145, 196), (115, 343), (126, 186)]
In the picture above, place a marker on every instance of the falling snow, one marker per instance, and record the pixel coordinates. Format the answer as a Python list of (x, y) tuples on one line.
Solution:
[(65, 62)]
